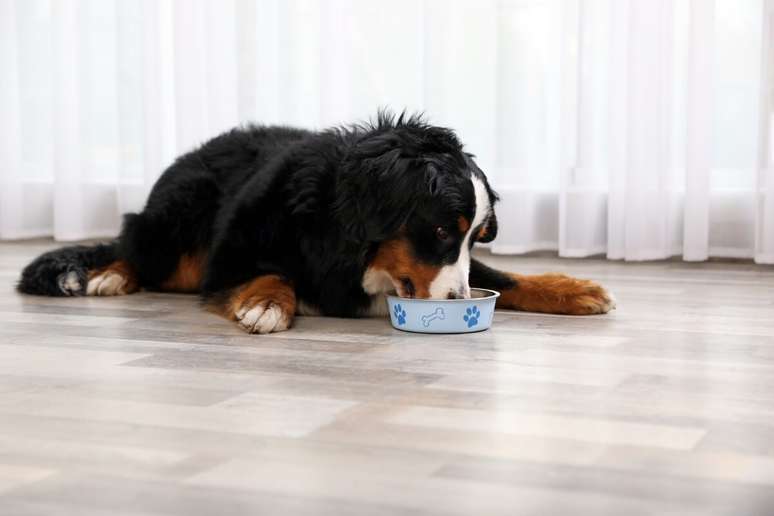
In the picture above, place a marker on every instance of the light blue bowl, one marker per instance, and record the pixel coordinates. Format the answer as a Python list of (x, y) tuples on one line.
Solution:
[(444, 315)]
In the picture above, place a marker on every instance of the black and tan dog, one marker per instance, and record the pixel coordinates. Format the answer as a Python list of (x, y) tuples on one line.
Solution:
[(269, 222)]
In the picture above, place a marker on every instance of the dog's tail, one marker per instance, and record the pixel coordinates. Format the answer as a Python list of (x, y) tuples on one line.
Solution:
[(64, 272)]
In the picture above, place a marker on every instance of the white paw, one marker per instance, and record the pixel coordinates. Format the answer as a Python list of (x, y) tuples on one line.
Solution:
[(612, 303), (108, 283), (598, 301), (70, 283), (263, 318)]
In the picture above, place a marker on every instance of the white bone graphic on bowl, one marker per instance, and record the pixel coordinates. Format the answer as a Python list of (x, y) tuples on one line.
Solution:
[(438, 314)]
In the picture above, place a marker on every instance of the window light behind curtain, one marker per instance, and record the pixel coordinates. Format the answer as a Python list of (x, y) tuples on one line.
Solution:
[(638, 129)]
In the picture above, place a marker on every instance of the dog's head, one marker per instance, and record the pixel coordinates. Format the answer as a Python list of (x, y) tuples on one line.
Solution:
[(420, 202)]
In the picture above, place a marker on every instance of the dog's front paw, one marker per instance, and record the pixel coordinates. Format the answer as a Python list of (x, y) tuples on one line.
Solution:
[(586, 297), (263, 316), (557, 294), (117, 279), (266, 304)]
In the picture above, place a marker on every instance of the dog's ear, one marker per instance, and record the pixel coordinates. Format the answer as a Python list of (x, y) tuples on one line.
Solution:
[(489, 231), (378, 189)]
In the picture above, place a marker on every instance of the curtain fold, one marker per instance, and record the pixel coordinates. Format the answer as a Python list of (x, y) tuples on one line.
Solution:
[(764, 200), (634, 129), (664, 127)]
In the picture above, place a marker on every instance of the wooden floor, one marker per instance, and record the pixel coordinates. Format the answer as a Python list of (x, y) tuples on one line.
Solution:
[(145, 405)]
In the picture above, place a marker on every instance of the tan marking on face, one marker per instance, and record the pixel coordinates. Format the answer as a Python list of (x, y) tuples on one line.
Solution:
[(463, 224), (481, 233), (396, 258)]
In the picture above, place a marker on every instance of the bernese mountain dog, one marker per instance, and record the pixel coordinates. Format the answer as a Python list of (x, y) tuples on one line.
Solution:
[(268, 222)]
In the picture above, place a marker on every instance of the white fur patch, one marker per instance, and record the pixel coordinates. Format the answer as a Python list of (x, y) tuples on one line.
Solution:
[(70, 284), (263, 318), (109, 283), (377, 281), (612, 304), (454, 277)]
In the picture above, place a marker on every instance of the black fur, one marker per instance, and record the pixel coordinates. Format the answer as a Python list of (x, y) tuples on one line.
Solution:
[(47, 275), (483, 276), (309, 206)]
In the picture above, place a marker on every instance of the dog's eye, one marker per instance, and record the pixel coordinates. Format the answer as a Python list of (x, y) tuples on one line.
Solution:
[(442, 234)]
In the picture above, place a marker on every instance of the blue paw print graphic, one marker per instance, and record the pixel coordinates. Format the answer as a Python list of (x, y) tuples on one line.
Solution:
[(471, 316), (400, 314)]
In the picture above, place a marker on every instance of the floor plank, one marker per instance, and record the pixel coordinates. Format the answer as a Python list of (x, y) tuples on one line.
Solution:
[(145, 405)]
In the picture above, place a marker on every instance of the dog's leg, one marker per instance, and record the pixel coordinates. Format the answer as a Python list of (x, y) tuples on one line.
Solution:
[(117, 279), (265, 304), (546, 293)]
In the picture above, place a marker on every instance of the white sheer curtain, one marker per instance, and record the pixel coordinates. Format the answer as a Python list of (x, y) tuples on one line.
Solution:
[(640, 129)]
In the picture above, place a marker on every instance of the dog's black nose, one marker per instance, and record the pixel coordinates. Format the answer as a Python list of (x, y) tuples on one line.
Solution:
[(454, 295)]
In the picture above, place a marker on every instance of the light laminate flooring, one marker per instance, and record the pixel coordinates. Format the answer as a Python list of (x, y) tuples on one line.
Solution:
[(146, 405)]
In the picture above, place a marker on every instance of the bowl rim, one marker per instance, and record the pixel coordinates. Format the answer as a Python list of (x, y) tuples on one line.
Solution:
[(493, 294)]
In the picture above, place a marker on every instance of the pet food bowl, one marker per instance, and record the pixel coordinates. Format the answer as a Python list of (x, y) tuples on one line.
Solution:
[(444, 315)]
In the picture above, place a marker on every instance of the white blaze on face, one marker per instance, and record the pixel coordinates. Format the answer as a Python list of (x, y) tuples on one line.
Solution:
[(454, 277)]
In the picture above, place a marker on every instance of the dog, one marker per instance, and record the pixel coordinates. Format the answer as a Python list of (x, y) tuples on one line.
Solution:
[(266, 222)]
